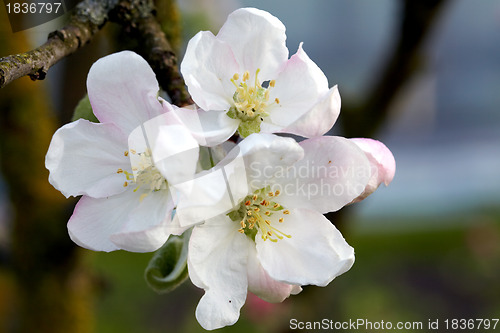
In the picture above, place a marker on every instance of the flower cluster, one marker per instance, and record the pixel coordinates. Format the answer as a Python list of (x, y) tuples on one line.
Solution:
[(255, 207)]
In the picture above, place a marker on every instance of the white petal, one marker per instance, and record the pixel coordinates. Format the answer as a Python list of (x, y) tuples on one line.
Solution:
[(265, 155), (175, 151), (332, 173), (319, 119), (251, 165), (209, 128), (383, 165), (298, 88), (96, 221), (217, 263), (207, 68), (148, 225), (212, 192), (123, 90), (315, 254), (84, 157), (258, 41), (262, 285)]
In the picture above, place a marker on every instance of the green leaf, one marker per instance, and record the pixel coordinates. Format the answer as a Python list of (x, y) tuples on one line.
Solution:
[(84, 111), (168, 268)]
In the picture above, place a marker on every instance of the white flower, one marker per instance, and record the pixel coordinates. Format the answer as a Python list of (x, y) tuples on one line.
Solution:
[(125, 200), (244, 79), (275, 238)]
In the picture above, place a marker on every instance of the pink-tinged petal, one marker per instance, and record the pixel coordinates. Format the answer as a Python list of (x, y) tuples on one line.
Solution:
[(122, 221), (382, 162), (298, 88), (209, 128), (207, 68), (295, 290), (83, 159), (217, 260), (123, 90), (257, 39), (95, 220), (148, 223), (262, 285), (332, 173), (315, 253), (319, 119)]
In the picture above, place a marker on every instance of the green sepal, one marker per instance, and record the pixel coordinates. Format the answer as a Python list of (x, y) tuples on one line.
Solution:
[(168, 268), (84, 111), (236, 215), (251, 233), (249, 127), (206, 160), (232, 113)]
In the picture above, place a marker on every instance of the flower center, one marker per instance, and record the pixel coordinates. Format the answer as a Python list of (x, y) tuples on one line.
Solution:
[(250, 102), (254, 213), (144, 174)]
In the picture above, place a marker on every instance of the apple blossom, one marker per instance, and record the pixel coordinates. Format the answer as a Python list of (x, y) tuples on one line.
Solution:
[(126, 202), (243, 77), (274, 237)]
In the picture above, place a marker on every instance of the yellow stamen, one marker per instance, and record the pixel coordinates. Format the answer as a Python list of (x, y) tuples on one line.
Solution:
[(255, 214), (246, 76)]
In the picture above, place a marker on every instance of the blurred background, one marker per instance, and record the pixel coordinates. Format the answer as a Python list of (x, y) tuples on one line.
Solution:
[(421, 76)]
